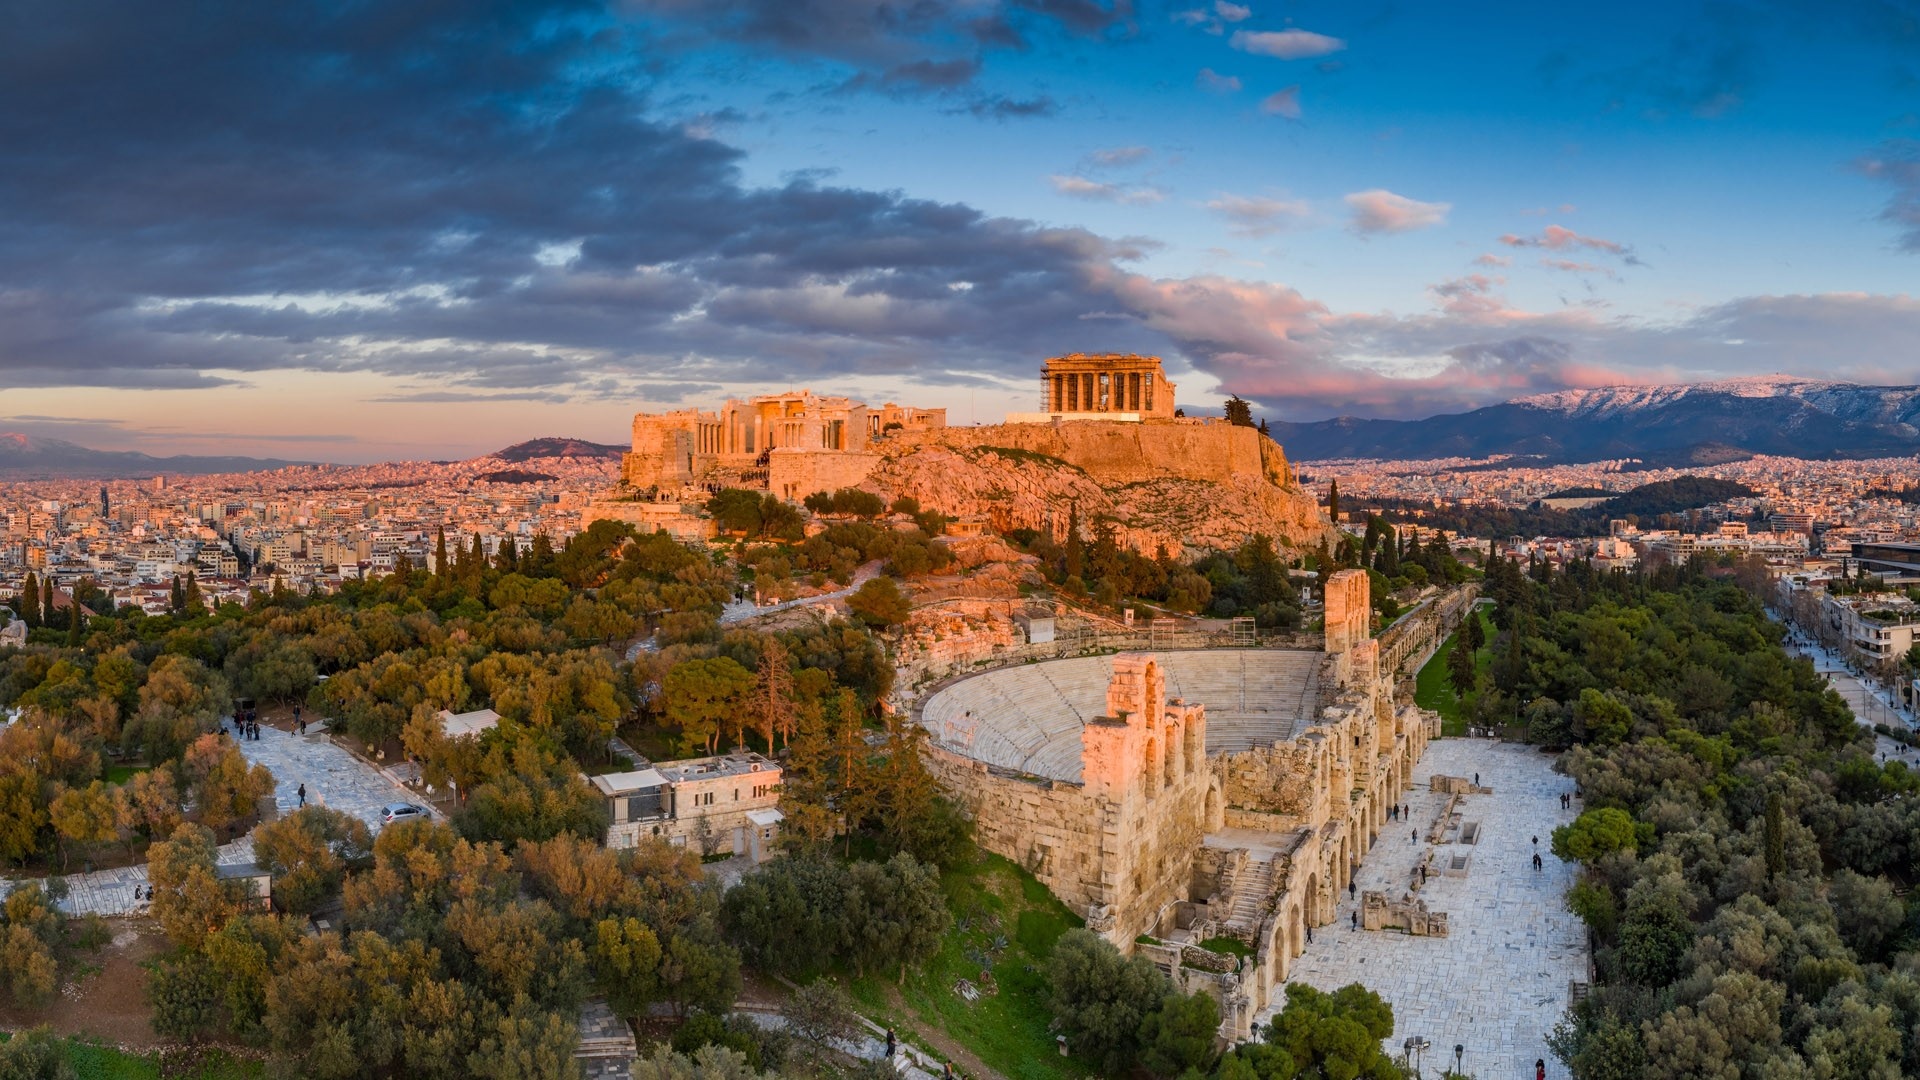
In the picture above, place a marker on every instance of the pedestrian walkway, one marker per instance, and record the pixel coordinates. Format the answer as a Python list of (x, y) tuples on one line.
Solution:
[(1499, 982), (333, 777), (1868, 703)]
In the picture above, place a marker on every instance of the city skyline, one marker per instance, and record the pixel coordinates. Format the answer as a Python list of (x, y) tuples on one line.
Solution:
[(348, 235)]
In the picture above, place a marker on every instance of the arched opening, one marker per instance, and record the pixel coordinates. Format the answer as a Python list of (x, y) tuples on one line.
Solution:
[(1196, 754), (1216, 809), (1173, 756), (1152, 771), (1313, 905), (1296, 940)]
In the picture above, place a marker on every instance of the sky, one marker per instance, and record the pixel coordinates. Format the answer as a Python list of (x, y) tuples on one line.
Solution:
[(400, 229)]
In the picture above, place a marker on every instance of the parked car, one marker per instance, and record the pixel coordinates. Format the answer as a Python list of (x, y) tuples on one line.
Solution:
[(403, 811)]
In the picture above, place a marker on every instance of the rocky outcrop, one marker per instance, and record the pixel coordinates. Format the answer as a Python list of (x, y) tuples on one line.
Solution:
[(1187, 486)]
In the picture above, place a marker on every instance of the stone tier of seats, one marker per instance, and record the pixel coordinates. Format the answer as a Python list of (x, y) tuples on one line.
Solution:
[(1029, 717)]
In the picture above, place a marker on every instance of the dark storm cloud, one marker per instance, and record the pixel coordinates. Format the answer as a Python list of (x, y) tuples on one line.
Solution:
[(469, 191)]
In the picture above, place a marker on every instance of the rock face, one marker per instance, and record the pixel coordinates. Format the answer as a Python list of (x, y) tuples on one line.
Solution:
[(1188, 486)]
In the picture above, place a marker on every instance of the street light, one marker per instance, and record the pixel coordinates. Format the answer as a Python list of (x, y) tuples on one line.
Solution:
[(1415, 1045), (1459, 1049)]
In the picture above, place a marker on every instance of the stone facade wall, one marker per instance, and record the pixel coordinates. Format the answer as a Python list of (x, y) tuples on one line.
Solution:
[(680, 521), (794, 473)]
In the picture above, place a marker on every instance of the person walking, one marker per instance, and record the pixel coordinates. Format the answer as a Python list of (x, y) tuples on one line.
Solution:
[(1536, 862), (1356, 919), (303, 796), (1353, 891), (1476, 779), (892, 1044)]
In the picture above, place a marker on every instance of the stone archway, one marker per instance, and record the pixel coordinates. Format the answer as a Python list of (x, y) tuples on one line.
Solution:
[(1313, 904), (1216, 810)]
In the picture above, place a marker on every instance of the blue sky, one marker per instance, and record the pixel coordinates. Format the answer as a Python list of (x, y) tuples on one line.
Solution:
[(413, 229)]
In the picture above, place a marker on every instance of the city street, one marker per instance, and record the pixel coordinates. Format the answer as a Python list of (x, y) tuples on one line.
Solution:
[(1871, 704)]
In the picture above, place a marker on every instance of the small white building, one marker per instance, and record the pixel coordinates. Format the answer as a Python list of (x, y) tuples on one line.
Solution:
[(728, 804), (466, 725)]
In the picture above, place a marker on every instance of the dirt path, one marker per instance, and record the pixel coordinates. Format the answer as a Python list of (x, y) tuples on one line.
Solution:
[(963, 1059), (106, 995)]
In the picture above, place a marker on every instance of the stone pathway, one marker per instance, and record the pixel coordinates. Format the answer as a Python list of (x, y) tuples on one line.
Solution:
[(1499, 982), (1870, 703), (333, 778)]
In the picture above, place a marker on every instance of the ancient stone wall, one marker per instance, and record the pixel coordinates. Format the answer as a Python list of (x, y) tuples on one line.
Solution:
[(1348, 608), (794, 473)]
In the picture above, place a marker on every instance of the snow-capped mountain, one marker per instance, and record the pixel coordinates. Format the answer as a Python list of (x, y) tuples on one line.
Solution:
[(1683, 423)]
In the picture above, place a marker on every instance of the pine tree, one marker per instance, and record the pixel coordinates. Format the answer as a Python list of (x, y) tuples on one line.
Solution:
[(1076, 555), (440, 554), (1239, 412), (539, 560), (30, 600), (507, 559), (855, 780), (773, 695), (196, 605)]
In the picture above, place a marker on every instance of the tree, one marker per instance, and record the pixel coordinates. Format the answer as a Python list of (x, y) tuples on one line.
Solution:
[(1333, 501), (1597, 832), (190, 901), (699, 970), (225, 789), (30, 933), (36, 1054), (736, 510), (821, 1016), (1102, 999), (440, 568), (896, 913), (704, 697), (625, 957), (706, 1063), (309, 852), (1180, 1035), (1239, 412), (773, 693), (1335, 1034), (880, 603), (85, 817)]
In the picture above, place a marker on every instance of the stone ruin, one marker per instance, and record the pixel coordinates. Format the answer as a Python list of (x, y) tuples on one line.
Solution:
[(1408, 914), (1456, 785)]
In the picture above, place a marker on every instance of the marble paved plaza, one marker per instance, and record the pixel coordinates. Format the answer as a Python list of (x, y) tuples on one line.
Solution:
[(1499, 982), (333, 778)]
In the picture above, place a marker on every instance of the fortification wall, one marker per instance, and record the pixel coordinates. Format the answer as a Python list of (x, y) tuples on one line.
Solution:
[(795, 473), (1052, 828), (1132, 452)]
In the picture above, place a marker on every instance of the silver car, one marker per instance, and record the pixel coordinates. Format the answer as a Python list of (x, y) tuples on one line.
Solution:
[(403, 811)]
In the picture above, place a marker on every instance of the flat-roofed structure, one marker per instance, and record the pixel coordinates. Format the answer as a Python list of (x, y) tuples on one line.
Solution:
[(1114, 385), (1895, 560), (728, 803)]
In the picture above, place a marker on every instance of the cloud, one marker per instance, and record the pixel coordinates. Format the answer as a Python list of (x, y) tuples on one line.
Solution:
[(1382, 211), (1490, 259), (1001, 107), (1215, 83), (1214, 21), (1560, 238), (1897, 164), (1574, 266), (1118, 157), (1282, 103), (1285, 44), (1079, 187), (1259, 216)]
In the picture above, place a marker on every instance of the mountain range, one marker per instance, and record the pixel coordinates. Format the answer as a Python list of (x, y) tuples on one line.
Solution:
[(1688, 424), (27, 457)]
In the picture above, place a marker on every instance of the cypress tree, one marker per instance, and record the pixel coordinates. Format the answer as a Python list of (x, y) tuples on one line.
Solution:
[(440, 554), (176, 597), (1333, 501), (192, 600), (76, 624), (46, 602), (30, 600), (507, 559), (1076, 551)]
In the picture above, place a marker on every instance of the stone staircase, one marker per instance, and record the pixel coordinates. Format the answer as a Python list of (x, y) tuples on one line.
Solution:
[(1251, 890)]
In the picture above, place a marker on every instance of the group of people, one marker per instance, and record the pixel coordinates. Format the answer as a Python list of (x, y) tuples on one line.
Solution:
[(248, 721)]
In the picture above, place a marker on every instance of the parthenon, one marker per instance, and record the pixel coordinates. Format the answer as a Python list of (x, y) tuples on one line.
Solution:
[(1109, 383)]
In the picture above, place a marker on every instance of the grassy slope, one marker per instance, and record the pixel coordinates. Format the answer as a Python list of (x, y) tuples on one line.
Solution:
[(1003, 914), (1431, 690), (93, 1061)]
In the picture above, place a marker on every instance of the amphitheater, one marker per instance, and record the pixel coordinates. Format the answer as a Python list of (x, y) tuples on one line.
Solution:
[(1030, 718), (1180, 795)]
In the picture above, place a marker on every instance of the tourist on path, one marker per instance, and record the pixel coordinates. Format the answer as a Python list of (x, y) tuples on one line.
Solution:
[(303, 795)]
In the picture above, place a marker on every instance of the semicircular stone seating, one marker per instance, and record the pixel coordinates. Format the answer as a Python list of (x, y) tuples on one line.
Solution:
[(1029, 717)]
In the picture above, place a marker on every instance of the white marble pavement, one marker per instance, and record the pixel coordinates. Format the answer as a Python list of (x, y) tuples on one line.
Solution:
[(1500, 981), (333, 777)]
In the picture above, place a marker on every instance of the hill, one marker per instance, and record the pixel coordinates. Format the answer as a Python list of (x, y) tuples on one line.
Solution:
[(1699, 424), (556, 446), (26, 457), (1662, 504)]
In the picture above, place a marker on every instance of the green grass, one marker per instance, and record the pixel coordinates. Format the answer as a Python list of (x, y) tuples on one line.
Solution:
[(1431, 689), (120, 774), (1004, 914), (95, 1061), (1229, 946)]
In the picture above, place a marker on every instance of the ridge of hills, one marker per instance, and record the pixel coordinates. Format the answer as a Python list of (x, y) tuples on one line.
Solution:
[(1683, 424), (29, 457)]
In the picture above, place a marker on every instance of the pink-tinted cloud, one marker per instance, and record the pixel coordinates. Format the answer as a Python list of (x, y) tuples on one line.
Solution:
[(1286, 44), (1215, 83), (1257, 215), (1560, 238), (1283, 103), (1574, 266), (1490, 259), (1079, 187), (1382, 211)]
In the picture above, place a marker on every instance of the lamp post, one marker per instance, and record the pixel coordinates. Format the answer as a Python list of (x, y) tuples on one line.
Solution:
[(1459, 1051), (1415, 1045)]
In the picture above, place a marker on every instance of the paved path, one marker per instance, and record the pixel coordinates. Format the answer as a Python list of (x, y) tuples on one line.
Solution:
[(333, 778), (742, 610), (1870, 704), (1498, 983)]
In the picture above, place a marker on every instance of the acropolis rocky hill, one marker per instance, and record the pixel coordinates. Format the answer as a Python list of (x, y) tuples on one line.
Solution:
[(1108, 444), (1184, 485)]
